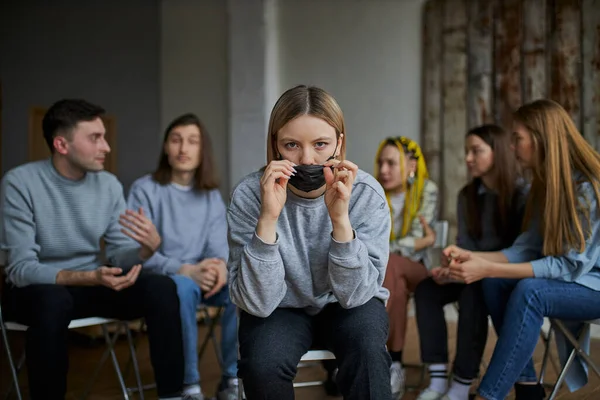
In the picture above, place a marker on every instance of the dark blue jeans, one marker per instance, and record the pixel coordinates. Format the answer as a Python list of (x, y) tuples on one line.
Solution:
[(518, 308), (270, 349)]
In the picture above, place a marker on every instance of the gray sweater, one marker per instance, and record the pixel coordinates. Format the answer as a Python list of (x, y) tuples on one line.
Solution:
[(50, 223), (306, 268)]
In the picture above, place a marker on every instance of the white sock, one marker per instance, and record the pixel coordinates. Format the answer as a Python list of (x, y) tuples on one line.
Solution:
[(459, 389), (438, 374), (192, 389)]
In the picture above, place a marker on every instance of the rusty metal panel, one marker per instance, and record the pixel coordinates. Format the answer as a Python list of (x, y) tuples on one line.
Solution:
[(591, 71), (432, 74), (454, 92), (480, 56), (534, 61), (566, 57), (507, 59)]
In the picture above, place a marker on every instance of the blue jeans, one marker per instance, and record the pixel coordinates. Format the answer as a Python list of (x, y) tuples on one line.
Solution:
[(190, 297), (518, 308)]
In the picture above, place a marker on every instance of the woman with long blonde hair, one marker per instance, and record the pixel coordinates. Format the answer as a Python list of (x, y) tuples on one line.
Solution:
[(412, 198), (308, 251), (553, 268)]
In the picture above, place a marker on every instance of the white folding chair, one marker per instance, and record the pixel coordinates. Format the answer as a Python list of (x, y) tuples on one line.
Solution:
[(577, 343), (7, 326)]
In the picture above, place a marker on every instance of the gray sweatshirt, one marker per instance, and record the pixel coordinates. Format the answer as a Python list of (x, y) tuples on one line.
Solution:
[(306, 268), (49, 223)]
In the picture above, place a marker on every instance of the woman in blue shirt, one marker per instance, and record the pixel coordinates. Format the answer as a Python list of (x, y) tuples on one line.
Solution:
[(552, 269)]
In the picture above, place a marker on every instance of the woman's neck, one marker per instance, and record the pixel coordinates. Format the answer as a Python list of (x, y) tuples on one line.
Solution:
[(489, 182)]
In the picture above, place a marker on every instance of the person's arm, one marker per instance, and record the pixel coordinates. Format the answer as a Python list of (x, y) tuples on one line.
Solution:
[(158, 263), (414, 241), (19, 241), (256, 272), (357, 267), (216, 246), (121, 251)]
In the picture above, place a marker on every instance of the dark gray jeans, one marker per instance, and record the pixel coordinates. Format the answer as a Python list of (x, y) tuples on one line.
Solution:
[(270, 349)]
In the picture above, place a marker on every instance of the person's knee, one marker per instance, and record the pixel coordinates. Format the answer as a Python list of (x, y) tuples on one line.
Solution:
[(265, 365), (527, 290), (426, 290), (54, 310), (187, 290), (365, 327), (158, 291)]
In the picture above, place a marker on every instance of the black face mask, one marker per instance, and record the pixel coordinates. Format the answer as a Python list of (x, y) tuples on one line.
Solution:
[(309, 177)]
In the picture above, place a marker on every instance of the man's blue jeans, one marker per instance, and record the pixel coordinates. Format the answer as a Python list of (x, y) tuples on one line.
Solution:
[(518, 308), (190, 296)]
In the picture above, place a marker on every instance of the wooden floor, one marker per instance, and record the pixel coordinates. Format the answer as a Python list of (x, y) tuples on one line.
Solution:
[(83, 358)]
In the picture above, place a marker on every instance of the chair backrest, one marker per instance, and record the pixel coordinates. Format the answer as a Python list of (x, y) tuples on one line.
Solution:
[(441, 234)]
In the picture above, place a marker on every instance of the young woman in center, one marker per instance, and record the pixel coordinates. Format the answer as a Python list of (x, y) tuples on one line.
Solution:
[(308, 237)]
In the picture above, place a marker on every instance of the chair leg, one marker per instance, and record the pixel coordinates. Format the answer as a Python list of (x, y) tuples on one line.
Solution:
[(99, 366), (562, 375), (212, 324), (136, 368), (547, 341), (109, 343), (13, 370)]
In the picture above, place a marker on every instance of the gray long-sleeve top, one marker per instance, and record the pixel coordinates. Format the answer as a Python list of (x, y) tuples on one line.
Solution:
[(306, 268)]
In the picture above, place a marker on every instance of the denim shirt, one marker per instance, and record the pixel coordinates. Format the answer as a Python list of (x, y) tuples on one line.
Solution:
[(582, 268)]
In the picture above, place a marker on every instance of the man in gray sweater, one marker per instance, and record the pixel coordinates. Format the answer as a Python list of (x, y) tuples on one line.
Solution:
[(54, 215)]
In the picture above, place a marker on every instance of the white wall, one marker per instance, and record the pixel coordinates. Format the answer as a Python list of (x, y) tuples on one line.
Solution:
[(367, 54), (194, 70), (104, 52)]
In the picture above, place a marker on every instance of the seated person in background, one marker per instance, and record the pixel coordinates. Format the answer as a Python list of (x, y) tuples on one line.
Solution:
[(308, 251), (54, 213), (412, 197), (490, 213), (553, 268), (181, 198)]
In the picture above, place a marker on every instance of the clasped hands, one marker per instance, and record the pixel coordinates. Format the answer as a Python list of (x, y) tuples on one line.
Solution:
[(209, 274), (460, 266)]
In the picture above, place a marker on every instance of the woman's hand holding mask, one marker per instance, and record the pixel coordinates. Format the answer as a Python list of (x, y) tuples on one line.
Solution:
[(339, 179), (273, 193)]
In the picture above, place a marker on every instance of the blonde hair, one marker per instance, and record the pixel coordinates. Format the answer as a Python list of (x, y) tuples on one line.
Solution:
[(414, 191), (304, 100), (559, 150)]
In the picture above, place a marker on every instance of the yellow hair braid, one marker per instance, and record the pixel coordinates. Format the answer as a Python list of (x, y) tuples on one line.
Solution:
[(414, 191)]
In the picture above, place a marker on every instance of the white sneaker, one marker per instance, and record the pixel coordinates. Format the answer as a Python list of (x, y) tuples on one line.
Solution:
[(429, 394), (397, 380)]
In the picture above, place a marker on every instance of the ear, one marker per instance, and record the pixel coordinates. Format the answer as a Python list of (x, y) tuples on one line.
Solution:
[(339, 145), (60, 144)]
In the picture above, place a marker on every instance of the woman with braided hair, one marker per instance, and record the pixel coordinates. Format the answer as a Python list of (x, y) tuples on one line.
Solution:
[(412, 197)]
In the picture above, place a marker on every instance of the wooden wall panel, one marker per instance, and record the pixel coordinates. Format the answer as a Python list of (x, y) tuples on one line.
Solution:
[(539, 49), (591, 71), (480, 61), (432, 95), (507, 59), (565, 64), (454, 117), (534, 50)]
